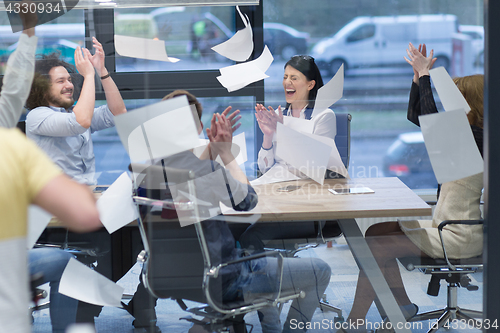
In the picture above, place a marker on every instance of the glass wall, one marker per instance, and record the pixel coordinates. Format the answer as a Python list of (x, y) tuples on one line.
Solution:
[(112, 159), (63, 34), (370, 38), (189, 34)]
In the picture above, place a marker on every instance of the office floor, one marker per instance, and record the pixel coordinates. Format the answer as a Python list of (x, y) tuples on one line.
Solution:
[(340, 293)]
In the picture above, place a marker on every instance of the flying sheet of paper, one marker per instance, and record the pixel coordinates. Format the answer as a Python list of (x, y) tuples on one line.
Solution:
[(142, 48), (238, 149), (277, 173), (158, 130), (84, 284), (299, 125), (330, 93), (335, 161), (451, 146), (449, 94), (240, 46), (38, 219), (116, 207), (206, 185), (240, 141), (240, 75), (304, 153)]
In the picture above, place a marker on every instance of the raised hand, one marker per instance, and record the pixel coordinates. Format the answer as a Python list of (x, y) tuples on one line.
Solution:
[(233, 118), (268, 119), (28, 18), (418, 59), (221, 138), (97, 59), (82, 62)]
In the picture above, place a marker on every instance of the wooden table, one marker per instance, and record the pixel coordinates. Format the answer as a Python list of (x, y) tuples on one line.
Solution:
[(314, 202)]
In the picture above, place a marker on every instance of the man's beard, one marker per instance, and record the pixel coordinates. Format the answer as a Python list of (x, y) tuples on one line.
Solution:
[(56, 100)]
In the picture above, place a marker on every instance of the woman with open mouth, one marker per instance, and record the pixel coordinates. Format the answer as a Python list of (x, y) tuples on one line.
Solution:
[(301, 82)]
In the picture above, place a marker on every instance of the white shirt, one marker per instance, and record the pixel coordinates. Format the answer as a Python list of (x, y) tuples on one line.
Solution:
[(17, 81), (325, 124)]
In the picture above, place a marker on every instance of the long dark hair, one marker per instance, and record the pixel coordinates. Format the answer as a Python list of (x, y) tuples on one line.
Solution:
[(306, 65), (41, 82)]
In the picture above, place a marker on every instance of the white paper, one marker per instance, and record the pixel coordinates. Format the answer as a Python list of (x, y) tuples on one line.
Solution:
[(116, 207), (84, 284), (451, 146), (277, 173), (240, 46), (298, 124), (238, 76), (142, 48), (171, 133), (304, 153), (335, 160), (330, 93), (449, 94), (158, 130), (38, 219)]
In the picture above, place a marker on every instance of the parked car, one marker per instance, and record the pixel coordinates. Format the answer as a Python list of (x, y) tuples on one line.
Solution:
[(284, 41), (408, 160), (380, 41), (476, 32)]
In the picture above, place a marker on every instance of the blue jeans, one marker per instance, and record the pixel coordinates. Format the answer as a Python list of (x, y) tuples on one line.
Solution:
[(52, 262), (310, 275)]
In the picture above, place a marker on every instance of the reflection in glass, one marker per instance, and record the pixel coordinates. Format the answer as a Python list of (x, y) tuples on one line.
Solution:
[(189, 34), (112, 159), (371, 43)]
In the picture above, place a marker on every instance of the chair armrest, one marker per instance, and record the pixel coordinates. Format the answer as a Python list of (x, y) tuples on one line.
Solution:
[(440, 230), (167, 203)]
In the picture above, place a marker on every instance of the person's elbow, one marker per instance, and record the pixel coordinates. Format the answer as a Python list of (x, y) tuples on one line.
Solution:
[(118, 110), (84, 122), (87, 221)]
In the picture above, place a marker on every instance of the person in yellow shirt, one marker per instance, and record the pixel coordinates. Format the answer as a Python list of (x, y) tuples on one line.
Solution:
[(29, 177)]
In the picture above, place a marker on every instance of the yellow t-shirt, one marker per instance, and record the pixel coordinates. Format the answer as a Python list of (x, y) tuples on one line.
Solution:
[(24, 171)]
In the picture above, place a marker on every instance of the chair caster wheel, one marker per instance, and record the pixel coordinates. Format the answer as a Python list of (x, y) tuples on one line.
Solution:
[(339, 319)]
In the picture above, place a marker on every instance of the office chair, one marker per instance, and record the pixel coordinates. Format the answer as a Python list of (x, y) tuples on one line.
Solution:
[(325, 230), (455, 272), (176, 260)]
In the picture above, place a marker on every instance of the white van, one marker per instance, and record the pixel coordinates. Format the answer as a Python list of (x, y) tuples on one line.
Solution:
[(380, 41)]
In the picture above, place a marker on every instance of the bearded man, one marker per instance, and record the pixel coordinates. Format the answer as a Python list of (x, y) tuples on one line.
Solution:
[(58, 125)]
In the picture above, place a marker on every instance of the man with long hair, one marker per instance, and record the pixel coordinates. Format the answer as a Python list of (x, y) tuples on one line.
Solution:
[(61, 127)]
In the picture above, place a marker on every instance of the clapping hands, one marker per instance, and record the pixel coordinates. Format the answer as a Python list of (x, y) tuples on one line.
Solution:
[(419, 61), (268, 119)]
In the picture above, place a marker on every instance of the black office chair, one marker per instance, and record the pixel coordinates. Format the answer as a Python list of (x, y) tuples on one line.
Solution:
[(324, 231), (176, 261), (455, 272)]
